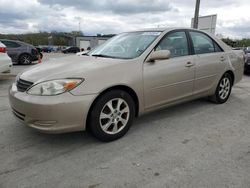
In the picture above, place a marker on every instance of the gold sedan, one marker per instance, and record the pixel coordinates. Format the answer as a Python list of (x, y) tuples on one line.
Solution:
[(131, 74)]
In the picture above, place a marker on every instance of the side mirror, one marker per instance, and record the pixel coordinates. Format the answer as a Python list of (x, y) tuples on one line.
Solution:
[(159, 55)]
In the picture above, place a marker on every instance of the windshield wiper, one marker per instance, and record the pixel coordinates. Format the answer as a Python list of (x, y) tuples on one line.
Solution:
[(102, 55), (108, 56)]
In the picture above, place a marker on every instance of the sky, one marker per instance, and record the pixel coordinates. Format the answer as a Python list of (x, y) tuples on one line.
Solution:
[(116, 16)]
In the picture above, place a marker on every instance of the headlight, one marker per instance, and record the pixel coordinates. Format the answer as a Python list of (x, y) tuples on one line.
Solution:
[(17, 77), (54, 87)]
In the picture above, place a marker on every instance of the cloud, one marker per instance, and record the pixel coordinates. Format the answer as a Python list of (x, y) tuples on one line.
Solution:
[(115, 6), (115, 16)]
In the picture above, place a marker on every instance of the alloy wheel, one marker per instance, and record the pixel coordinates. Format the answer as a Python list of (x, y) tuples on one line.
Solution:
[(114, 116), (25, 59), (224, 88)]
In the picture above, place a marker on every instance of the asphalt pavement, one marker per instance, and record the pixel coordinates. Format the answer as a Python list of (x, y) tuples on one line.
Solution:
[(196, 144)]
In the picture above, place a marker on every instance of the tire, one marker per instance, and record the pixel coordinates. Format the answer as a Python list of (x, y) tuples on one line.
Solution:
[(25, 59), (111, 115), (223, 89)]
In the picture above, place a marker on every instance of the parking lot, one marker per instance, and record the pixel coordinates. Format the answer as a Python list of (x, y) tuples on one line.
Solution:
[(196, 144)]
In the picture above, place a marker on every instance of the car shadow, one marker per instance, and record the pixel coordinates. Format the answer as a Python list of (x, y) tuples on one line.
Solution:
[(182, 109), (32, 147), (84, 137), (33, 63)]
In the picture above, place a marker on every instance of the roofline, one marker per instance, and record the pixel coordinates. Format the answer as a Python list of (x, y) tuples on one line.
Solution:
[(165, 29)]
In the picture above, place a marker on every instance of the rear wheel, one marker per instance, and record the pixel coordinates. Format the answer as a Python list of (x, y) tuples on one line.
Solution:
[(112, 115), (25, 59), (223, 89)]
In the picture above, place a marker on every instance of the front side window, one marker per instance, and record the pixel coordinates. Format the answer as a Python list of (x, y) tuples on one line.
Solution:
[(176, 43), (203, 44)]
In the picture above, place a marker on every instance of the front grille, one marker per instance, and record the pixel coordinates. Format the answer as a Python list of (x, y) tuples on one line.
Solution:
[(23, 85)]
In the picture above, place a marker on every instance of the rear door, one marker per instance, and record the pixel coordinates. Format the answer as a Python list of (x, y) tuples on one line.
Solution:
[(210, 61)]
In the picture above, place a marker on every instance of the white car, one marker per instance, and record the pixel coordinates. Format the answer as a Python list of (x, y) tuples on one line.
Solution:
[(5, 61), (82, 53)]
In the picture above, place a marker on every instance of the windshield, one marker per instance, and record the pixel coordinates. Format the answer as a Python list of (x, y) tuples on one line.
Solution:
[(125, 45)]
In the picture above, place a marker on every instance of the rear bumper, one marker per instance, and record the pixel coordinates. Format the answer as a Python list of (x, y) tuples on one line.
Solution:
[(5, 68), (51, 114), (35, 57), (5, 64), (247, 66)]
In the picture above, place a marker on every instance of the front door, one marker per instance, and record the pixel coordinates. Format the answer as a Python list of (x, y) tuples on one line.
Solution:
[(166, 81)]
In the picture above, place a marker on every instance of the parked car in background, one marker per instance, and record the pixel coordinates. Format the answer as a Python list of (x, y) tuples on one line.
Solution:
[(47, 49), (71, 49), (104, 90), (5, 61), (20, 52), (247, 60), (39, 50), (82, 53)]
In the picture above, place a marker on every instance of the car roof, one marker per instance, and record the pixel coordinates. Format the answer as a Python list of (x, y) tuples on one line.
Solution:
[(166, 29), (17, 41)]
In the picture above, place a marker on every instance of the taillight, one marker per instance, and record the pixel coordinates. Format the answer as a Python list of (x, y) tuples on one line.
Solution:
[(2, 50)]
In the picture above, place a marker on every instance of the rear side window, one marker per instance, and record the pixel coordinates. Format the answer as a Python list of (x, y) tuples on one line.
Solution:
[(10, 44), (203, 44), (176, 43)]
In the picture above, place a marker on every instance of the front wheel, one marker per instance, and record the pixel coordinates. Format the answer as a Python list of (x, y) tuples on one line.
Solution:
[(223, 89), (112, 115)]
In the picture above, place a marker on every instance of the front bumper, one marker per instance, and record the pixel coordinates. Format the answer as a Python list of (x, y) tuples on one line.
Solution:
[(51, 114)]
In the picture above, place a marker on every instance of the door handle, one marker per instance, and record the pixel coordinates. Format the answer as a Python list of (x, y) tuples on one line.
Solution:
[(189, 64), (222, 58)]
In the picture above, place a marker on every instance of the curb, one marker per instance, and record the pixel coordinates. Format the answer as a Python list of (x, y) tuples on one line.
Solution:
[(7, 76)]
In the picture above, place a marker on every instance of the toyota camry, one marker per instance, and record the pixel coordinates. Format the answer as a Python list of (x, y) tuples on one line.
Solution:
[(131, 74)]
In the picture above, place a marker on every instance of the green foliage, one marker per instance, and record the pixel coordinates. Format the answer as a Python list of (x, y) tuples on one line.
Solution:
[(244, 42), (65, 39), (237, 43), (42, 38)]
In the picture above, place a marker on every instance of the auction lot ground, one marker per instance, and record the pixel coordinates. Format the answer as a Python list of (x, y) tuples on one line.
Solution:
[(196, 144)]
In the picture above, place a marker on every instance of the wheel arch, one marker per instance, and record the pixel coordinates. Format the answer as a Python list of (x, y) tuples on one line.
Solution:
[(231, 74), (125, 88)]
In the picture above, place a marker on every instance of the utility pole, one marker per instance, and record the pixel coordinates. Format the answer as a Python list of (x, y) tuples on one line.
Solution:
[(196, 14), (79, 27)]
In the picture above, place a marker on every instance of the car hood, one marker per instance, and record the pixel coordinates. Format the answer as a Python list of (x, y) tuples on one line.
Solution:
[(67, 67)]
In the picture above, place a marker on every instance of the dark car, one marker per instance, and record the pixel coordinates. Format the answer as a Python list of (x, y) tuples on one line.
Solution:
[(72, 49), (20, 52), (47, 49), (247, 61), (39, 50)]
